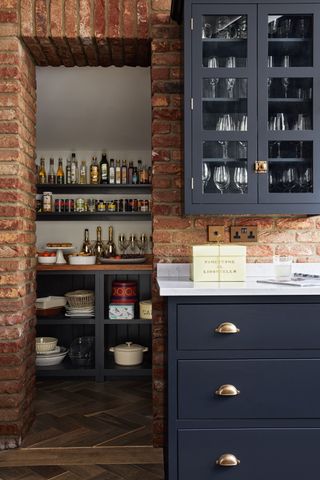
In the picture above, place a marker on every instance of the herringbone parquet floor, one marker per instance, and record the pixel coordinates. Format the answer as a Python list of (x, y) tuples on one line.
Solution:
[(87, 430)]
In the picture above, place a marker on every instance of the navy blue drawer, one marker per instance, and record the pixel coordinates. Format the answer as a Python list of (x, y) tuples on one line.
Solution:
[(268, 389), (266, 454), (262, 327)]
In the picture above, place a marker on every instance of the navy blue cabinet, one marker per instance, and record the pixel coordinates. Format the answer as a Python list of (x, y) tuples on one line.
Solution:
[(243, 388), (252, 108)]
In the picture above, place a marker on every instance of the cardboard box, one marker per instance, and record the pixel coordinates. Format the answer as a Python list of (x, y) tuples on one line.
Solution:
[(218, 263), (121, 311)]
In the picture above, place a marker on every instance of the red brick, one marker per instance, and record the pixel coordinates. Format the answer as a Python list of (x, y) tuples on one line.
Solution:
[(166, 31), (295, 250), (129, 16), (9, 44), (56, 17), (166, 59), (113, 19), (176, 73), (143, 19), (63, 51), (295, 223), (160, 73), (167, 196), (41, 17), (85, 18), (259, 251), (167, 113), (173, 223), (276, 237), (8, 16), (8, 4), (161, 5), (159, 127), (160, 18), (166, 140), (70, 18), (99, 23), (309, 236)]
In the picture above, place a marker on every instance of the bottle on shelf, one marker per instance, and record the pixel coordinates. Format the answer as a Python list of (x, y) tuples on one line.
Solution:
[(83, 173), (124, 173), (104, 169), (98, 247), (60, 173), (110, 250), (73, 169), (94, 171), (130, 173), (42, 175), (135, 176), (139, 171), (118, 173), (68, 172), (77, 172), (51, 173), (86, 246), (112, 173)]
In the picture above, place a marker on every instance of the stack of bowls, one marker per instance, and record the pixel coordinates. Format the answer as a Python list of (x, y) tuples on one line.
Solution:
[(48, 353)]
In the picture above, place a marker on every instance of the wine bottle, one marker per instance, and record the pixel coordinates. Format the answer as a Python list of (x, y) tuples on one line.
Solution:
[(94, 171), (73, 169), (118, 173), (110, 250), (124, 178), (51, 174), (42, 175), (112, 172), (104, 169), (130, 173), (86, 247), (83, 173), (60, 173), (68, 172)]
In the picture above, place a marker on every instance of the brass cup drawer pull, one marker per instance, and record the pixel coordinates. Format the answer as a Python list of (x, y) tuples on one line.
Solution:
[(227, 328), (227, 391), (228, 460)]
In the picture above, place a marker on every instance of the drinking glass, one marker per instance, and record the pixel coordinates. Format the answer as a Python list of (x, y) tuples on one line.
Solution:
[(241, 178), (285, 83), (299, 150), (243, 27), (273, 28), (242, 150), (206, 174), (286, 28), (274, 149), (230, 62), (301, 27), (213, 83), (213, 62), (279, 122), (305, 179), (285, 61), (282, 265), (270, 61), (230, 86), (224, 146), (243, 124), (207, 30), (269, 86), (291, 178), (302, 123), (221, 178), (225, 123)]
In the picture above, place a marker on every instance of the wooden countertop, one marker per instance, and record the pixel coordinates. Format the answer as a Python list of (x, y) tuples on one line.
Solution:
[(147, 266)]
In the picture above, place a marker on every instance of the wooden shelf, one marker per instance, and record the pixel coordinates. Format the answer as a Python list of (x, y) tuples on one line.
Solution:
[(135, 321), (65, 369), (112, 369), (93, 268), (62, 320), (77, 216), (88, 188)]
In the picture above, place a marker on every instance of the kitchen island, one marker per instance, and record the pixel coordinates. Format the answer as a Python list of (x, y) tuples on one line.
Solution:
[(243, 377)]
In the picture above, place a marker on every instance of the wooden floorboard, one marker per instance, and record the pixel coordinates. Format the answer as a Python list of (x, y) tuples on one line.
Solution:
[(88, 431)]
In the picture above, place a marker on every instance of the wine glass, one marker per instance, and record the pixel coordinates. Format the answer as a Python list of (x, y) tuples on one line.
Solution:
[(224, 144), (241, 178), (206, 174), (132, 243), (230, 86), (142, 243), (242, 150), (213, 83), (123, 243), (230, 62), (305, 180), (207, 30), (221, 178), (285, 82)]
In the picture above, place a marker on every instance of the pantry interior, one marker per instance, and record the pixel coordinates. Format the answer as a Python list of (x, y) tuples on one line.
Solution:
[(90, 111)]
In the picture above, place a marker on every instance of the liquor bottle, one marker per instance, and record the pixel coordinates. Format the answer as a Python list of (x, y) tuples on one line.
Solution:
[(135, 176), (68, 172), (118, 173), (51, 174), (86, 247), (110, 250), (73, 169), (98, 248), (104, 169), (77, 172), (112, 172), (94, 171), (42, 176), (60, 173), (130, 172), (83, 173), (124, 172), (139, 170)]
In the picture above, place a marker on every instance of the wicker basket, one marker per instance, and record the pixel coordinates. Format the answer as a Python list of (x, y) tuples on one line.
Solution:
[(80, 298)]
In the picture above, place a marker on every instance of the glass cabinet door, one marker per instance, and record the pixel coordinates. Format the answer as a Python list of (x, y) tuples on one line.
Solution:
[(288, 112), (224, 86)]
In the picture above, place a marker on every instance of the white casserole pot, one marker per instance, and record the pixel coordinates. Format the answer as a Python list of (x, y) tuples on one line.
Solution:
[(128, 354)]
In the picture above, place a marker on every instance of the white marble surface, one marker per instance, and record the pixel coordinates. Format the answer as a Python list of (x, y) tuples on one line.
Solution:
[(174, 280)]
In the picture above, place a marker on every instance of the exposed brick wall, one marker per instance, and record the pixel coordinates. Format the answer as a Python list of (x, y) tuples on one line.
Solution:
[(17, 231)]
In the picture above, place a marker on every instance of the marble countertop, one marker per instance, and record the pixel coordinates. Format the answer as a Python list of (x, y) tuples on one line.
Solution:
[(174, 280)]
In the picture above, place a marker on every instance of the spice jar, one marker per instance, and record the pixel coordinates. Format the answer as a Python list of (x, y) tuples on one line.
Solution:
[(79, 205), (101, 207), (47, 202)]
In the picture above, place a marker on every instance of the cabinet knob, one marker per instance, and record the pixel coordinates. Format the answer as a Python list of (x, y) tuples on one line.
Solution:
[(228, 460), (261, 166), (227, 327), (227, 391)]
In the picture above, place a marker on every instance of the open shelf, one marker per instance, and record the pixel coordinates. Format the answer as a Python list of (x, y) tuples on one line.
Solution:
[(112, 369), (94, 216), (65, 369), (62, 320), (89, 188), (135, 321)]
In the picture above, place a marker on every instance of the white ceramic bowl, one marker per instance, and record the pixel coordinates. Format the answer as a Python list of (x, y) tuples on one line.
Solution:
[(45, 344), (82, 260), (47, 260), (48, 361)]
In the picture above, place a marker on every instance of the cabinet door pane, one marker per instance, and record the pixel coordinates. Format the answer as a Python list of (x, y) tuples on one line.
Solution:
[(289, 106), (224, 117)]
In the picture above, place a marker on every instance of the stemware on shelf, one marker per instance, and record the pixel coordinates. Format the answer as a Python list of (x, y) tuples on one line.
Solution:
[(221, 178), (241, 179), (285, 61), (207, 30), (213, 62), (279, 122), (230, 62), (224, 144), (302, 123), (206, 174), (213, 83), (305, 179), (285, 83), (123, 243), (242, 150), (230, 86)]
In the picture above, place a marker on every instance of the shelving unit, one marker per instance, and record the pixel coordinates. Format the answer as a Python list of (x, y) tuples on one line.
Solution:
[(58, 279), (94, 216), (90, 188)]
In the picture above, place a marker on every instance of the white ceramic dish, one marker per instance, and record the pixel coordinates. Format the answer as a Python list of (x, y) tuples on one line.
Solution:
[(82, 260), (50, 302), (47, 260), (51, 360), (45, 344)]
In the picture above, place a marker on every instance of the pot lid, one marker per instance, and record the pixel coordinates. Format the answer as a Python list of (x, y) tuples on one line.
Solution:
[(129, 347)]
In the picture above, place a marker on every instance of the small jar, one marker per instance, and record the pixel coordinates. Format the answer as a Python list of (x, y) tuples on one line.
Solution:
[(79, 205), (135, 205), (91, 205), (144, 206), (47, 202), (101, 207), (111, 206)]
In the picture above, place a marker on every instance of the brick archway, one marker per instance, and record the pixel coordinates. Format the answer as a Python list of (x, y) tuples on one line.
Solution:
[(72, 33)]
